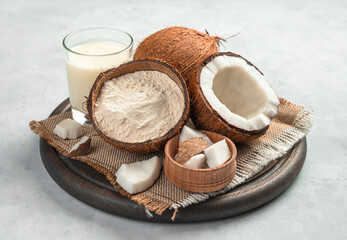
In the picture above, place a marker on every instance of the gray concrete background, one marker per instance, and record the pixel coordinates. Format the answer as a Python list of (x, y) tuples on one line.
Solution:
[(299, 45)]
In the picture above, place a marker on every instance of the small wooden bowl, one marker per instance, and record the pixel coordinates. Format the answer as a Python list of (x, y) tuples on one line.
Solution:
[(199, 180), (151, 145)]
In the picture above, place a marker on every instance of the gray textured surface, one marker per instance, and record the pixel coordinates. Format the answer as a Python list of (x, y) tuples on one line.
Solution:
[(299, 45)]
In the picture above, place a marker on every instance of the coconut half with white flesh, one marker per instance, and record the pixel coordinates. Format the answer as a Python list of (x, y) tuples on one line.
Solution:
[(232, 97)]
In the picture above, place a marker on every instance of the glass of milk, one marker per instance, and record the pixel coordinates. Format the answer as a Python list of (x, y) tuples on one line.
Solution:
[(88, 52)]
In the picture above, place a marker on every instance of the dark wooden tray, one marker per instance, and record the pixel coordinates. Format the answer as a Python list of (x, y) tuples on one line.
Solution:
[(92, 188)]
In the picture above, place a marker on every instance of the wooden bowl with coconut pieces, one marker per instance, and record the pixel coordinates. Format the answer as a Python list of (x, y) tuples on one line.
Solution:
[(202, 180)]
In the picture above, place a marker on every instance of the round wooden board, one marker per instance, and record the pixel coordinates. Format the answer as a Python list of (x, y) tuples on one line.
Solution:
[(92, 188)]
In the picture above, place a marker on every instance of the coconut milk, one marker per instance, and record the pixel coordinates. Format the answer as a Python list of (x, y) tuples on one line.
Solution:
[(85, 62)]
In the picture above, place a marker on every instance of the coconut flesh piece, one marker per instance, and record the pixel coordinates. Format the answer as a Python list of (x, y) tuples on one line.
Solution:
[(138, 176), (81, 148), (188, 133), (68, 129), (217, 154), (238, 92), (197, 161)]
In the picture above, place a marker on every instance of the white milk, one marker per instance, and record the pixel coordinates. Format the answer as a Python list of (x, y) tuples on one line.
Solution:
[(82, 70)]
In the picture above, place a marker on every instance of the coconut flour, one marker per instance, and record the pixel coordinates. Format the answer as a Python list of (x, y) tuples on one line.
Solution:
[(139, 106)]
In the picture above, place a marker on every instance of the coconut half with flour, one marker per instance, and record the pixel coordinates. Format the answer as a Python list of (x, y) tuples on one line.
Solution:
[(231, 96), (139, 105)]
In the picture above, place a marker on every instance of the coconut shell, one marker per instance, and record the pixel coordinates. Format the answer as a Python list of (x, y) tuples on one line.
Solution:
[(82, 150), (190, 148), (151, 145), (181, 47), (206, 118)]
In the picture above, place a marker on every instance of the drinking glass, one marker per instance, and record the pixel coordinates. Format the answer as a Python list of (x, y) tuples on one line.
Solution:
[(88, 52)]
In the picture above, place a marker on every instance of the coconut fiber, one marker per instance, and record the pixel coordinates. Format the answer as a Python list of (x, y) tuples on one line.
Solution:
[(290, 125)]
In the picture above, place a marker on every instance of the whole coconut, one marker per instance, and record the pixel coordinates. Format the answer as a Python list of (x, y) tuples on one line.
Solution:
[(181, 47)]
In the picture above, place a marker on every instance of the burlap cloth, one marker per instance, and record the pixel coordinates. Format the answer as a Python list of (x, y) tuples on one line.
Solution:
[(290, 125)]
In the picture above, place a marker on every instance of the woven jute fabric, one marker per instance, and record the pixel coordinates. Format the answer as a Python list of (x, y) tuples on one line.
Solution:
[(290, 125)]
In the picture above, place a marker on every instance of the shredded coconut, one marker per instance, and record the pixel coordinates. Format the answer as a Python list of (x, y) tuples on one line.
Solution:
[(139, 106)]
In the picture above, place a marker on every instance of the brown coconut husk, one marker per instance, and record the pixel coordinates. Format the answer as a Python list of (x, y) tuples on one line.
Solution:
[(181, 47), (151, 145), (191, 147), (206, 118)]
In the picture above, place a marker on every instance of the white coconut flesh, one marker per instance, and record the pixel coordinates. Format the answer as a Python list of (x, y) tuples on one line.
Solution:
[(139, 176), (238, 92)]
